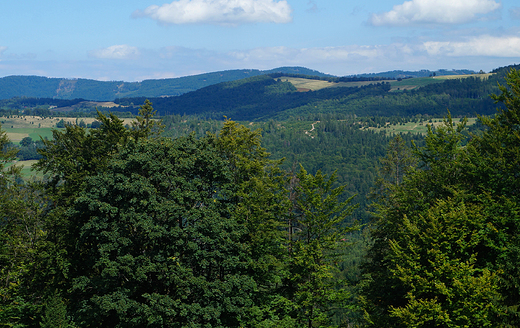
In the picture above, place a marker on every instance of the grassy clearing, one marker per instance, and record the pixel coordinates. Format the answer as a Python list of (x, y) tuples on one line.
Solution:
[(407, 84), (27, 171), (410, 84), (19, 127), (17, 134), (308, 84), (417, 127), (453, 77)]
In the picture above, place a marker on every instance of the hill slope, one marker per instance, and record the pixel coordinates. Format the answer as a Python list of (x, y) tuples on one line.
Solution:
[(43, 87), (269, 97)]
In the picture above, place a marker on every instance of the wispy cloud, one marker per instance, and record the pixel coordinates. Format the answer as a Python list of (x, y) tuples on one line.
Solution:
[(484, 52), (314, 7), (514, 12), (122, 51), (15, 56), (2, 50), (322, 56), (435, 12), (218, 12), (485, 45)]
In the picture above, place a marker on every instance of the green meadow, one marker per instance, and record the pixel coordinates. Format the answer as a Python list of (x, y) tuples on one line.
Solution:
[(417, 127)]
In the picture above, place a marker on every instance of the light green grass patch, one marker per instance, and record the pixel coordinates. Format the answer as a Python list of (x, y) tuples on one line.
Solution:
[(19, 127), (303, 84), (16, 135), (417, 127), (27, 171), (453, 77), (306, 84)]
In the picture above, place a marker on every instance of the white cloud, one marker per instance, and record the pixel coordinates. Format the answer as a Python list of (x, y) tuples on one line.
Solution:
[(122, 51), (435, 12), (220, 12), (306, 56), (485, 45)]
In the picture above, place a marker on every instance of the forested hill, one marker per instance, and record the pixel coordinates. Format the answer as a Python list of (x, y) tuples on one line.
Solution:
[(421, 73), (59, 88), (271, 97)]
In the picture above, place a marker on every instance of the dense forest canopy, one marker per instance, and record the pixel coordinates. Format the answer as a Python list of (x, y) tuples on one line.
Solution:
[(147, 225)]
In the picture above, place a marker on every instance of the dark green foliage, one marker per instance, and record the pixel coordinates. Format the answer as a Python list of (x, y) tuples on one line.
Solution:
[(144, 126), (29, 149), (208, 231), (445, 247), (161, 246), (256, 98), (21, 241), (55, 315), (61, 124), (264, 97), (317, 239)]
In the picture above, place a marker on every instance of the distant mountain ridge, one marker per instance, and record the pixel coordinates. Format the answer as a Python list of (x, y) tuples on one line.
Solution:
[(61, 88), (410, 74), (273, 96)]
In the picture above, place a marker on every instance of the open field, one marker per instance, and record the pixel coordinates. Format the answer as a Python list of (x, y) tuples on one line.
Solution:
[(452, 77), (19, 127), (409, 84), (418, 127), (17, 134), (27, 172), (303, 84), (309, 84), (88, 104)]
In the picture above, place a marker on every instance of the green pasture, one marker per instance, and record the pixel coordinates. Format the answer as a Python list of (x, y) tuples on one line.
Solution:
[(452, 77), (417, 127), (27, 171), (405, 84), (302, 83), (17, 134)]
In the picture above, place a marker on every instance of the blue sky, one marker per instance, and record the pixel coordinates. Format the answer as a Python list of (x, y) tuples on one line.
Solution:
[(133, 40)]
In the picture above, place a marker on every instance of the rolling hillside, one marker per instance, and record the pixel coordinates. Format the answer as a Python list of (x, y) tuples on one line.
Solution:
[(58, 88), (280, 97)]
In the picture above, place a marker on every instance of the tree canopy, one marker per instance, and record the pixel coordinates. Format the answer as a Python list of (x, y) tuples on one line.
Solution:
[(445, 248)]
